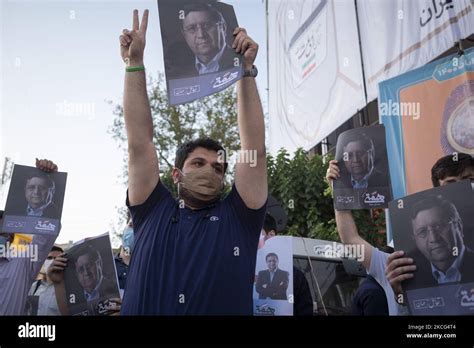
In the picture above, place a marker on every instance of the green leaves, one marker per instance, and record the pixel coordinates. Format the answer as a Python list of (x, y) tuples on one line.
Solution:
[(298, 184)]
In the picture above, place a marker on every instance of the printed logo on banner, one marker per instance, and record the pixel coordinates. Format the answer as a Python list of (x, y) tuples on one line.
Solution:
[(265, 309), (310, 49), (45, 225), (225, 79), (345, 199), (16, 224), (454, 67), (429, 302), (466, 300), (178, 92), (373, 198)]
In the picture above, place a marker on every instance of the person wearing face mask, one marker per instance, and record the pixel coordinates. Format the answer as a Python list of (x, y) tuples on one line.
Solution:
[(122, 260), (18, 273), (194, 255), (44, 289)]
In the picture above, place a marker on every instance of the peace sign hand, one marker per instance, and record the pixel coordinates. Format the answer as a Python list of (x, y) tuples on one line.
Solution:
[(132, 42)]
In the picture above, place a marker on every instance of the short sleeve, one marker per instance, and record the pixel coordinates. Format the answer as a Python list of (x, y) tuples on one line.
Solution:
[(140, 212), (252, 218), (377, 266)]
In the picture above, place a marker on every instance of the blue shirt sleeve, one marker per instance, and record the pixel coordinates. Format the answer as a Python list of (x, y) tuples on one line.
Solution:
[(141, 212), (251, 218)]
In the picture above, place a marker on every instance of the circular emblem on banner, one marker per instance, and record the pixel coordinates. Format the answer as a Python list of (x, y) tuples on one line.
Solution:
[(457, 133)]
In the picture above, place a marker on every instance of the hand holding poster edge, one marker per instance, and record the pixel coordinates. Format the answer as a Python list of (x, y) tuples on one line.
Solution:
[(200, 61), (35, 199), (105, 277), (364, 178), (408, 269)]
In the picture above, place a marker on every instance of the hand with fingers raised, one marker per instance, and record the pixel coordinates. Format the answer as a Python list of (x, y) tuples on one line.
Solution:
[(132, 42)]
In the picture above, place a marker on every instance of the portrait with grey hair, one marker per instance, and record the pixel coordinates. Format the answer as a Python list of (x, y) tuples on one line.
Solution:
[(197, 39), (434, 228), (35, 201), (364, 181)]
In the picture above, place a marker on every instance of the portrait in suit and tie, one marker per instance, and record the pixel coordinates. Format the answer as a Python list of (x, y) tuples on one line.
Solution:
[(272, 283)]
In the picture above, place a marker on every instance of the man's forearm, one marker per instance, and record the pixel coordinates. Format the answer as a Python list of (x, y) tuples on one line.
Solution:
[(250, 116), (346, 227), (136, 107), (349, 234), (61, 300)]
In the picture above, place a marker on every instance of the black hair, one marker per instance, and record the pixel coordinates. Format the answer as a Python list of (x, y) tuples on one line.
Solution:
[(448, 166), (358, 137), (1, 214), (204, 7), (86, 250), (41, 175), (56, 248), (449, 209), (269, 223), (185, 149), (271, 254)]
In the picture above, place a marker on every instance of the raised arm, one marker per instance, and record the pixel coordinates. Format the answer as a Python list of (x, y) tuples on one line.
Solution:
[(250, 176), (43, 242), (56, 275), (346, 226), (143, 168)]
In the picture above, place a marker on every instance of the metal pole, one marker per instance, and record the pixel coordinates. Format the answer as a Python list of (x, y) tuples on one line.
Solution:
[(360, 51)]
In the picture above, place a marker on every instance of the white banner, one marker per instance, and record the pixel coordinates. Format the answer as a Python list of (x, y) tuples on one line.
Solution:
[(400, 35), (315, 74)]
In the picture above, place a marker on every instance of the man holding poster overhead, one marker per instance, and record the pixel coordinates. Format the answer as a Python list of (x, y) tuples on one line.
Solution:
[(195, 255)]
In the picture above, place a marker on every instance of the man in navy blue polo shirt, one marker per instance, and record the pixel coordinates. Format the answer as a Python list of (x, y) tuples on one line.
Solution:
[(194, 255)]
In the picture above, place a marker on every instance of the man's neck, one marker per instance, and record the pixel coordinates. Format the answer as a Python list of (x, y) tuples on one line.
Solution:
[(208, 58), (359, 177), (205, 59), (188, 203), (444, 266)]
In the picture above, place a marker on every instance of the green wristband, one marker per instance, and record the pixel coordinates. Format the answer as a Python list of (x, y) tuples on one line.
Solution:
[(134, 68)]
